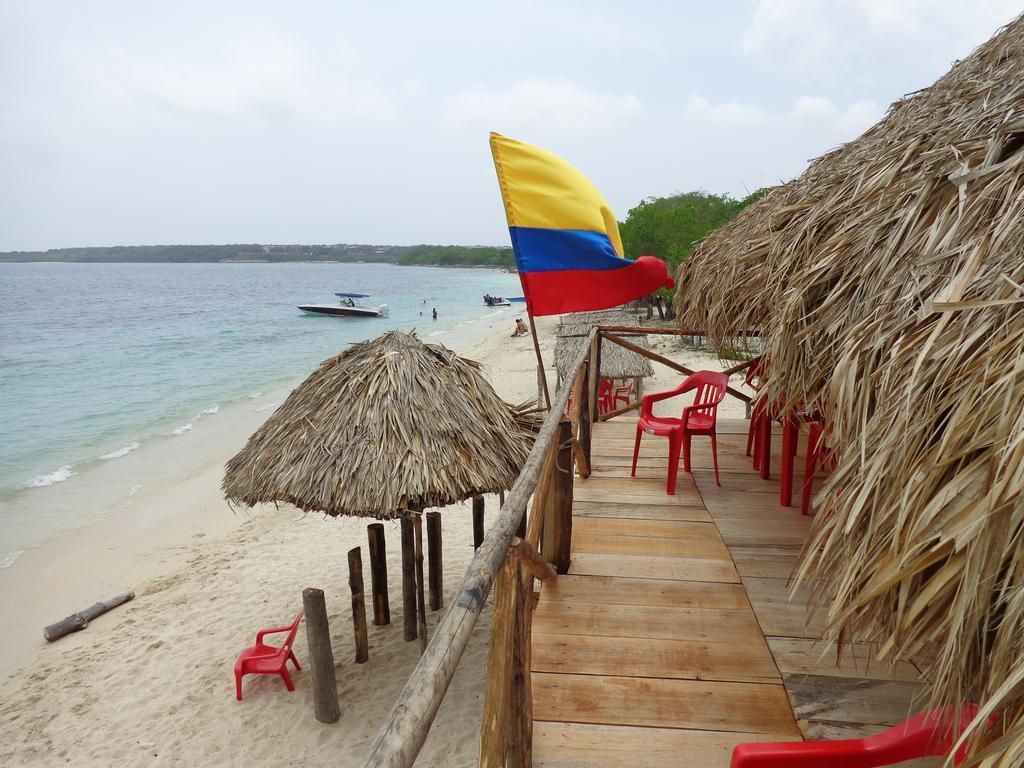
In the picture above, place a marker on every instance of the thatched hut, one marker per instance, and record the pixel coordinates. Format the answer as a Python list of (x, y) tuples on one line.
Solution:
[(888, 282), (616, 362), (389, 426)]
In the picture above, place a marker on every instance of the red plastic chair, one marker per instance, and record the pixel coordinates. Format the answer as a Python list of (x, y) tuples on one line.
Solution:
[(264, 659), (604, 396), (929, 735), (697, 419), (622, 393)]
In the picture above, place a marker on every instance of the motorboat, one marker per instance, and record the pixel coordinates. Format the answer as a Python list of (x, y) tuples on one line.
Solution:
[(496, 301), (348, 306)]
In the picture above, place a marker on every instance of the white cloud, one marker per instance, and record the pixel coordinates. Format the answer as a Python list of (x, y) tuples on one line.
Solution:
[(554, 103), (858, 39), (818, 112)]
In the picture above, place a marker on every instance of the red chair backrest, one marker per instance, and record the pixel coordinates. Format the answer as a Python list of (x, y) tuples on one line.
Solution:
[(286, 648), (711, 387), (755, 373)]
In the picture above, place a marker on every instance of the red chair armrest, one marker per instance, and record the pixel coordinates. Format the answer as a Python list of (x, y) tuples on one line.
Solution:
[(264, 632)]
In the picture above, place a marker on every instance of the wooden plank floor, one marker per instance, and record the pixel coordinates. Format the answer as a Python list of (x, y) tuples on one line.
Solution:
[(674, 636), (648, 653)]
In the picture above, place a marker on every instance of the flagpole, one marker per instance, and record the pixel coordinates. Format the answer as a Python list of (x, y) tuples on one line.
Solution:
[(540, 361)]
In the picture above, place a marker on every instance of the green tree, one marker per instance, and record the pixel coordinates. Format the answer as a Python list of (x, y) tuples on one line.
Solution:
[(670, 227)]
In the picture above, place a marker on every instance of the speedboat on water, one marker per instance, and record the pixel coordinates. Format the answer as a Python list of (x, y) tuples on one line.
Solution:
[(348, 306), (495, 301)]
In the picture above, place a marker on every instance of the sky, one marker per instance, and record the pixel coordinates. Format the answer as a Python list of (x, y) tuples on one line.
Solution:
[(334, 122)]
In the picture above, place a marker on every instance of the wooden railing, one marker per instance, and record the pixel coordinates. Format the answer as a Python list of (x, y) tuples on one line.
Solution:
[(516, 550)]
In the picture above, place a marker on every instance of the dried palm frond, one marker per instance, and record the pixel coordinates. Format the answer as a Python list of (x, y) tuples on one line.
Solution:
[(389, 425), (616, 362), (888, 282)]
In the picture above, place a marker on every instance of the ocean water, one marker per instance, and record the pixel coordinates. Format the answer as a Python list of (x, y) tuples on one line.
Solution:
[(100, 361)]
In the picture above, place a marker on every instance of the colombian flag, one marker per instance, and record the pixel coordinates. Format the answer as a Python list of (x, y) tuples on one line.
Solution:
[(564, 235)]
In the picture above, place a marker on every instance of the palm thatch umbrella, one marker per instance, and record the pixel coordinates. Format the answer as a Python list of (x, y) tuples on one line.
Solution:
[(616, 362), (386, 429), (389, 426), (888, 281)]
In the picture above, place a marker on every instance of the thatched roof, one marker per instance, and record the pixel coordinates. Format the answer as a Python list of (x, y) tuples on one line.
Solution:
[(616, 362), (389, 425), (889, 281)]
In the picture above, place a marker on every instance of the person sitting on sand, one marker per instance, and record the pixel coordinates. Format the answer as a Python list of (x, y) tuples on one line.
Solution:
[(520, 328)]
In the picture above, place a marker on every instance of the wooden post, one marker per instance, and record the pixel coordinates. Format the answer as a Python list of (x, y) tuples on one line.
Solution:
[(436, 568), (421, 608), (542, 378), (586, 420), (595, 376), (408, 581), (521, 530), (478, 521), (355, 584), (321, 656), (521, 696), (379, 574), (494, 730), (557, 536)]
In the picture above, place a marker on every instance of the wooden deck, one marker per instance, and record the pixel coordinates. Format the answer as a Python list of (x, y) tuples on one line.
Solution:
[(672, 638)]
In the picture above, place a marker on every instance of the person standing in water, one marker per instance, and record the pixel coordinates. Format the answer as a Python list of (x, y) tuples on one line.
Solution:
[(435, 313)]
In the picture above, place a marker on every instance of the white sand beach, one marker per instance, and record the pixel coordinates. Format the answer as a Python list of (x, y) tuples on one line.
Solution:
[(151, 682)]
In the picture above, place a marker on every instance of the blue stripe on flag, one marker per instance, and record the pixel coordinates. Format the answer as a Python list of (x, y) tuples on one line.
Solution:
[(554, 250)]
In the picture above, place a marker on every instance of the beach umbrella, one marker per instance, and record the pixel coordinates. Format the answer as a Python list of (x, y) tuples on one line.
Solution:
[(616, 362), (387, 428), (888, 281)]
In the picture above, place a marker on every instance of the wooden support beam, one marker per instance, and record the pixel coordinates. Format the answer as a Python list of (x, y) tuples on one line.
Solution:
[(521, 695), (408, 581), (355, 585), (494, 728), (665, 361), (535, 526), (586, 422), (534, 563), (582, 465), (379, 574), (435, 573), (619, 411), (478, 521), (421, 608), (557, 536), (321, 656), (595, 376)]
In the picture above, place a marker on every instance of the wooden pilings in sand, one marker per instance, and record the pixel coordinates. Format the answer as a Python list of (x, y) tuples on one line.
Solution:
[(478, 521), (435, 573), (321, 657), (355, 583), (379, 574), (408, 581), (421, 608)]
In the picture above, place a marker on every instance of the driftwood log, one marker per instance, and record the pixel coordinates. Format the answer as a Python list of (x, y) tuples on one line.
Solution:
[(79, 621)]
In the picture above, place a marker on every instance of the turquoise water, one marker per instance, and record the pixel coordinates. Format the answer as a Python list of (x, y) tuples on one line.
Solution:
[(98, 359)]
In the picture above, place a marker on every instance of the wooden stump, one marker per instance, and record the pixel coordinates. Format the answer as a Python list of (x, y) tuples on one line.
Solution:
[(355, 584), (379, 574), (478, 521), (435, 573), (421, 608), (321, 657), (76, 622), (408, 581)]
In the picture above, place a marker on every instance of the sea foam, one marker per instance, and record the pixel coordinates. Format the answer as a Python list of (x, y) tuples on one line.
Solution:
[(120, 452), (58, 475), (210, 411), (7, 558), (182, 429)]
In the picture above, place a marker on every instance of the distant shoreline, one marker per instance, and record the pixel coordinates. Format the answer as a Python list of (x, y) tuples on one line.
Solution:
[(498, 257)]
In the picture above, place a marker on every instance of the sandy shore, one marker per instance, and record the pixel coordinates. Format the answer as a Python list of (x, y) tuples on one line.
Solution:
[(151, 683)]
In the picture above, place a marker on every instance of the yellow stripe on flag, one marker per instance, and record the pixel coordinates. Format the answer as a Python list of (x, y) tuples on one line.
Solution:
[(543, 191)]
